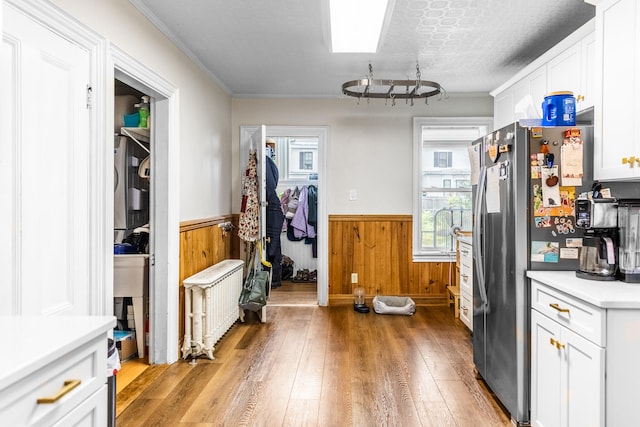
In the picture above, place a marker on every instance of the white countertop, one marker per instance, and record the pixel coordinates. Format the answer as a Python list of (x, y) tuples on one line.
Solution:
[(31, 342), (603, 294)]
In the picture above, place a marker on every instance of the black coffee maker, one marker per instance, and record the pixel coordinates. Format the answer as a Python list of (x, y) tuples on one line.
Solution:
[(598, 256)]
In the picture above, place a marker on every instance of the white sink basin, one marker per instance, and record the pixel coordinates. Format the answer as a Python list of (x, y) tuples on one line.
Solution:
[(131, 279), (130, 275)]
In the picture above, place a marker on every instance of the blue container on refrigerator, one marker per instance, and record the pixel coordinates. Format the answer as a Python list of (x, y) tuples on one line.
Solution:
[(559, 109)]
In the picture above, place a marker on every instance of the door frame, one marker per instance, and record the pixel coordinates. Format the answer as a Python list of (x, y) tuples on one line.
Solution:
[(164, 244), (246, 131)]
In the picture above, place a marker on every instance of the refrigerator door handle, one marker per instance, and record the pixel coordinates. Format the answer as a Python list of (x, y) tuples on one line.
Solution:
[(477, 231)]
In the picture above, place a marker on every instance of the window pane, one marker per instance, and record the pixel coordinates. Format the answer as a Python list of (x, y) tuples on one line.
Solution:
[(442, 177), (306, 160), (441, 211), (296, 157)]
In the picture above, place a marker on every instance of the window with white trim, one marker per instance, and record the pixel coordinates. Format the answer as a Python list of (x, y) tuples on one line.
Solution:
[(442, 182)]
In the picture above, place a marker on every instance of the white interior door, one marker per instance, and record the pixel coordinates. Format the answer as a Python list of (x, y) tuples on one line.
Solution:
[(254, 138), (45, 245), (258, 143)]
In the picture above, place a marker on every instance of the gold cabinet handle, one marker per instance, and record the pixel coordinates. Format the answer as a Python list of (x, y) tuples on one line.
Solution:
[(560, 309), (557, 343), (580, 98), (68, 386)]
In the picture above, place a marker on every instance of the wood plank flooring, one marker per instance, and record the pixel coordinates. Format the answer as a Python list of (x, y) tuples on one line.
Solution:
[(322, 366), (290, 293)]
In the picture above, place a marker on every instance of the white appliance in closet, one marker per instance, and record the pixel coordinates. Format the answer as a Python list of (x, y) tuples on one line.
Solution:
[(131, 192)]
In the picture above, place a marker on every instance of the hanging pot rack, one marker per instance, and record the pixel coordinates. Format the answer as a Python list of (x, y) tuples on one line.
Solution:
[(386, 89)]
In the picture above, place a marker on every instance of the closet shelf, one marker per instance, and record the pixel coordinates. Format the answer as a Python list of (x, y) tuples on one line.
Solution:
[(139, 135)]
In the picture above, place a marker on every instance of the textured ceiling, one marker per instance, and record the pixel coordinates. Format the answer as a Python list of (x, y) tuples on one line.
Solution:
[(280, 48)]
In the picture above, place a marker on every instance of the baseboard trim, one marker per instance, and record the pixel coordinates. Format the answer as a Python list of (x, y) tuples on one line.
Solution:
[(420, 300)]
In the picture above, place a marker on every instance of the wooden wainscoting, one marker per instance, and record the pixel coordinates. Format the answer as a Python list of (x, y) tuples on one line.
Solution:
[(378, 249), (202, 244)]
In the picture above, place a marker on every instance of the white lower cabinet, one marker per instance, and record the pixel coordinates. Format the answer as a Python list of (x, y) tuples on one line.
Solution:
[(567, 376), (465, 279), (56, 374), (584, 351)]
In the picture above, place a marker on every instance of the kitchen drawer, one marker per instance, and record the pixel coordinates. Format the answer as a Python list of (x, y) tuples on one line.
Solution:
[(466, 278), (83, 361), (582, 318), (92, 412), (466, 310), (466, 257)]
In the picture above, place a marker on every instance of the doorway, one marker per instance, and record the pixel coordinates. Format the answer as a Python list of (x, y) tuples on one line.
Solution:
[(298, 152), (164, 226), (132, 229)]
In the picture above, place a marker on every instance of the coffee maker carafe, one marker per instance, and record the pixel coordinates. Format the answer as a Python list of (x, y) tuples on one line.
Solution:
[(598, 254), (629, 250)]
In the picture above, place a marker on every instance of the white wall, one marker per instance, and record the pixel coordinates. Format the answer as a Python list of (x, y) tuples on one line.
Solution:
[(369, 149), (205, 110), (369, 145)]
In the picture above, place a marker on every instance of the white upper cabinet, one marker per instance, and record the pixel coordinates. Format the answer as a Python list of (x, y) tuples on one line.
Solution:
[(568, 66), (564, 71), (588, 69), (573, 70), (616, 113), (533, 84)]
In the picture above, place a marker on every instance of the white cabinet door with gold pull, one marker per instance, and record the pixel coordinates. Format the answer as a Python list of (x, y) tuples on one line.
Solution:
[(567, 376), (616, 118)]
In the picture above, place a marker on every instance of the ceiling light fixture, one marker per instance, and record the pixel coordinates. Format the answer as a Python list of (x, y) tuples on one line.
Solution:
[(386, 89), (356, 25)]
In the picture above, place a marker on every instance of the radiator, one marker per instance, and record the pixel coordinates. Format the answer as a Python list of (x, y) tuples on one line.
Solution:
[(211, 306)]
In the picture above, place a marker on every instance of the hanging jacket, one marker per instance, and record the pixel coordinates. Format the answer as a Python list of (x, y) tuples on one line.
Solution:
[(274, 216), (274, 220), (249, 223), (300, 224), (293, 203), (312, 197), (284, 204)]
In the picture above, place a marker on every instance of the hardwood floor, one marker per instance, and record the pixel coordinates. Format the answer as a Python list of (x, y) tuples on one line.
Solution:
[(290, 293), (322, 366)]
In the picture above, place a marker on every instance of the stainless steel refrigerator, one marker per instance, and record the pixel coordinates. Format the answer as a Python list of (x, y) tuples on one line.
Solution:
[(521, 222)]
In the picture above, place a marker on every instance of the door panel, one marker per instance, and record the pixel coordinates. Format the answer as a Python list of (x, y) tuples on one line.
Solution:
[(545, 371), (47, 183)]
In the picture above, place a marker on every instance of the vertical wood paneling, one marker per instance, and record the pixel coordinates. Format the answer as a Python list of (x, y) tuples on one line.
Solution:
[(378, 248), (203, 244)]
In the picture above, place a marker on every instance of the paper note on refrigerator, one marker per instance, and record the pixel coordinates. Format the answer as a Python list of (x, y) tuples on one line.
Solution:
[(474, 159), (571, 161), (492, 195)]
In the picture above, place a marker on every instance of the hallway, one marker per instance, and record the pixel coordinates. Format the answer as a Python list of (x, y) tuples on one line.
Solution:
[(322, 366)]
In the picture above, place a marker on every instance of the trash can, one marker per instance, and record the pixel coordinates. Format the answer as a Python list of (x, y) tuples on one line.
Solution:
[(113, 366)]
